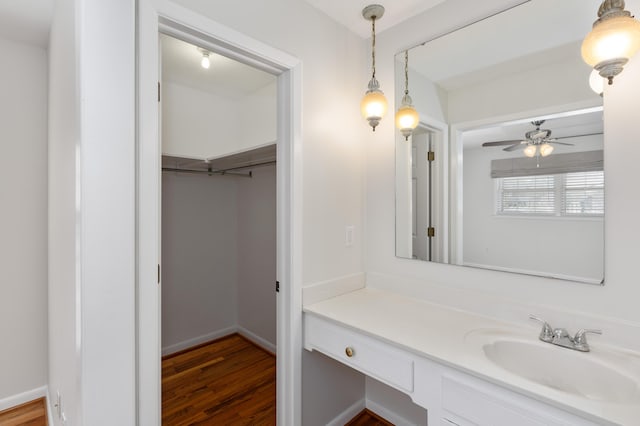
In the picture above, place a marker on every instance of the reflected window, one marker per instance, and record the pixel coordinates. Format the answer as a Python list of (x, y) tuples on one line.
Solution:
[(579, 194)]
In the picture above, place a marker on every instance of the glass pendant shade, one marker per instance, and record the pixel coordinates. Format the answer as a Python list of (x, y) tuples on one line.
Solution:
[(373, 106), (596, 82), (530, 151), (614, 39), (545, 149), (407, 119)]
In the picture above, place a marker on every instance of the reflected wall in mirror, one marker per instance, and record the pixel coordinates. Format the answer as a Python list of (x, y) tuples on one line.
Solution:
[(505, 170)]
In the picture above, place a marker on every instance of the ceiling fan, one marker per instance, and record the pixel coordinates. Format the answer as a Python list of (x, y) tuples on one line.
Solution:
[(535, 141)]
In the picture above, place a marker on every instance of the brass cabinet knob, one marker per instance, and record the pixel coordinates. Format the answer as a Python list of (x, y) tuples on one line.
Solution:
[(349, 351)]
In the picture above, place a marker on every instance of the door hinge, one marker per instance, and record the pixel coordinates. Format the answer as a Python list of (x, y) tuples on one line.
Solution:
[(158, 273), (277, 286), (431, 156), (431, 231), (158, 91)]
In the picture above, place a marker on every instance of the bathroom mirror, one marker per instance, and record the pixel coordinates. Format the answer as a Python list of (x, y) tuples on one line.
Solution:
[(505, 170)]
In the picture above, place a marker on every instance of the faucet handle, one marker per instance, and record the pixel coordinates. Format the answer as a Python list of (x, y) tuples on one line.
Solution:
[(580, 340), (546, 334)]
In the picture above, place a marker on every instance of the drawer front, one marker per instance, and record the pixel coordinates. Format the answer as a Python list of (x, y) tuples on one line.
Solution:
[(366, 354)]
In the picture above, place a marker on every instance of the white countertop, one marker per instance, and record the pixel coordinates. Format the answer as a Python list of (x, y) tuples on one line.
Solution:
[(440, 333)]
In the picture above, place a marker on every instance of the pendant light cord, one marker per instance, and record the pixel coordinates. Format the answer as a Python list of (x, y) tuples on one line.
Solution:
[(373, 46), (406, 72)]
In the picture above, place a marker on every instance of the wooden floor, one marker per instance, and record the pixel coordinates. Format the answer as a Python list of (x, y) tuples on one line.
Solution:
[(30, 414), (227, 382), (368, 418)]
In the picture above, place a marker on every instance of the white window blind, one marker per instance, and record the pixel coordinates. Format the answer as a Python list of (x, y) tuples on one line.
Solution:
[(583, 194), (563, 194), (527, 195)]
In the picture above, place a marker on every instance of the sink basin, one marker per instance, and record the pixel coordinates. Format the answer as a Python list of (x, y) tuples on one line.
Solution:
[(601, 375)]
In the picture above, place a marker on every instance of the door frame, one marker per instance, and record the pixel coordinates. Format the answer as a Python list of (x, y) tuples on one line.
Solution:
[(155, 16)]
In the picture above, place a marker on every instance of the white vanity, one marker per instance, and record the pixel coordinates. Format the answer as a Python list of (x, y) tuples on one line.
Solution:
[(469, 370)]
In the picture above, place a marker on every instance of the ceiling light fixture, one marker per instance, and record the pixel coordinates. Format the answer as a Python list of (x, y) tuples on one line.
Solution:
[(205, 62), (374, 104), (614, 39), (407, 117)]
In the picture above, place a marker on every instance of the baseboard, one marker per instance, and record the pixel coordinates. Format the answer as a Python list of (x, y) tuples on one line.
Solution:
[(263, 343), (24, 397), (387, 414), (48, 403), (348, 414), (186, 344), (320, 291)]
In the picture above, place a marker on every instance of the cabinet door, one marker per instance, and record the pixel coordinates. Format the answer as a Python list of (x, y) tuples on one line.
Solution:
[(467, 402)]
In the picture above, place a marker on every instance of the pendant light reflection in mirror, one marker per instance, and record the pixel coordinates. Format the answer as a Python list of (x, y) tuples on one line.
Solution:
[(407, 117)]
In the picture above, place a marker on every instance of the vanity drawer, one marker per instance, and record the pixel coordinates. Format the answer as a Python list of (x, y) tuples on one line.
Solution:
[(363, 353)]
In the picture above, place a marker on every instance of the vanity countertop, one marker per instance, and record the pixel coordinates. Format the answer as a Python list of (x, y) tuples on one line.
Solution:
[(440, 334)]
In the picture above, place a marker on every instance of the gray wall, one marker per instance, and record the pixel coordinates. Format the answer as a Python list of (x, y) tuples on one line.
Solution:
[(23, 194), (218, 257)]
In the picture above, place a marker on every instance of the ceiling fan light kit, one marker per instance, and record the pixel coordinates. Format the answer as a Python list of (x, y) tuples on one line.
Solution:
[(537, 142)]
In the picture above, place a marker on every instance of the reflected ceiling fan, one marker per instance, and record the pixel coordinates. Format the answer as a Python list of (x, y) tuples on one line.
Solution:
[(536, 141)]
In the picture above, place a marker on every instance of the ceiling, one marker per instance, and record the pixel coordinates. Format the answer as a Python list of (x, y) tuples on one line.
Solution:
[(559, 27), (349, 12), (225, 77), (26, 21)]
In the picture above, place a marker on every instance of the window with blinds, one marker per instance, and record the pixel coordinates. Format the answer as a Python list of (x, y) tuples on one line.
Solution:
[(565, 194)]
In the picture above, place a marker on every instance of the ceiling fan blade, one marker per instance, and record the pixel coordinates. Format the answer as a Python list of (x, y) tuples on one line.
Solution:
[(512, 147), (501, 143), (577, 136), (560, 143)]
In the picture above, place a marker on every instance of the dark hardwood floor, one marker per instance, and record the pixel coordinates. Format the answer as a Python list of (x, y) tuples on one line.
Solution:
[(227, 382), (368, 418), (30, 414)]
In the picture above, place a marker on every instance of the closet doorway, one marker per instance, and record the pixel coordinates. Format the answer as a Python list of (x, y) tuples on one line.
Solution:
[(218, 237)]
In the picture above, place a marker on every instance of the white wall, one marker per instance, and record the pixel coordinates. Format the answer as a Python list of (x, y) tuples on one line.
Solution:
[(495, 293), (92, 212), (199, 258), (198, 124), (256, 262), (64, 372), (23, 190)]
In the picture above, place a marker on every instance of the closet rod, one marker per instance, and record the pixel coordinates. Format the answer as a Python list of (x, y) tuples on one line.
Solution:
[(207, 172)]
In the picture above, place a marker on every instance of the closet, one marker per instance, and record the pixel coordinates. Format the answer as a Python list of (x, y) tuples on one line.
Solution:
[(218, 200)]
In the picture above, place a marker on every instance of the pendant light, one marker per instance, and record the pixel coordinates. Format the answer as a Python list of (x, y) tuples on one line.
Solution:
[(374, 104), (614, 39), (407, 117)]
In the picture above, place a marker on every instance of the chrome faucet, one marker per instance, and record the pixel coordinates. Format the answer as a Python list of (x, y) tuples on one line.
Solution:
[(561, 337)]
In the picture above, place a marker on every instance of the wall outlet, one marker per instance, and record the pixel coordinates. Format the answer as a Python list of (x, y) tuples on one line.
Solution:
[(348, 235)]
